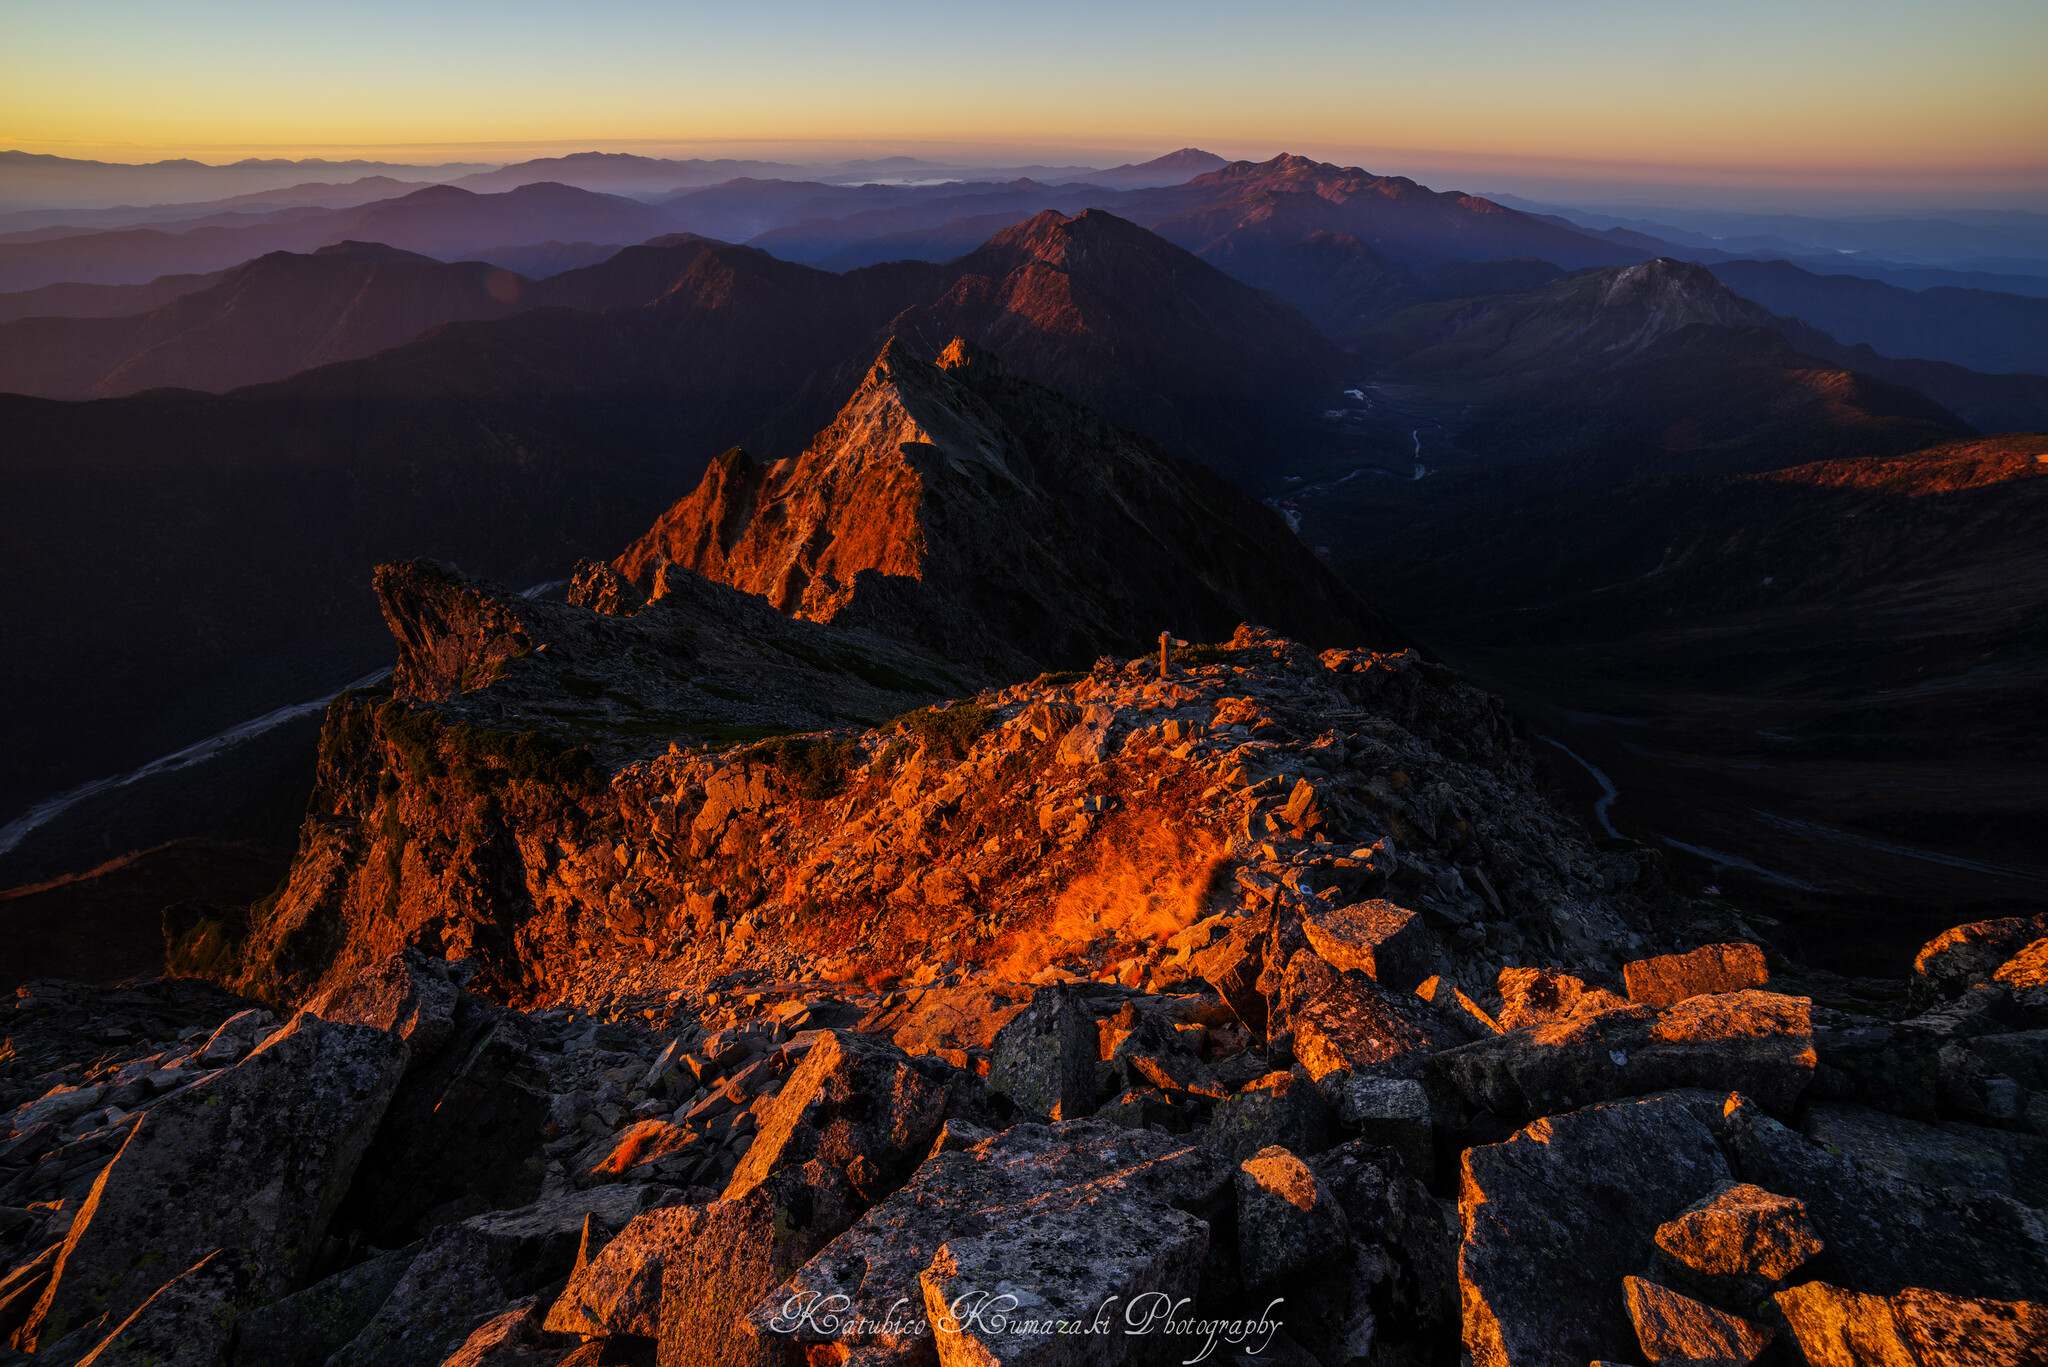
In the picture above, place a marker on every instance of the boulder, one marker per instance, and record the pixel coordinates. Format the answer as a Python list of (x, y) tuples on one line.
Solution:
[(188, 1322), (1709, 969), (1044, 1059), (1445, 996), (1961, 957), (469, 1271), (1390, 1112), (619, 1290), (1532, 996), (1884, 1230), (1386, 943), (512, 1338), (2027, 969), (1915, 1328), (1287, 1222), (1741, 1231), (1282, 1108), (464, 1131), (1232, 964), (408, 994), (253, 1160), (641, 1144), (1965, 1157), (1059, 1173), (1397, 1291), (855, 1118), (1758, 1043), (1069, 1279), (726, 1256), (1557, 1215), (1352, 1024), (307, 1327), (1678, 1329)]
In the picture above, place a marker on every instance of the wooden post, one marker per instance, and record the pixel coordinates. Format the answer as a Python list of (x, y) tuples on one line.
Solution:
[(1165, 654)]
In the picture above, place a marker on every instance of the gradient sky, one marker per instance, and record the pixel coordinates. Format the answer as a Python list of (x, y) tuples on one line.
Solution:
[(1878, 92)]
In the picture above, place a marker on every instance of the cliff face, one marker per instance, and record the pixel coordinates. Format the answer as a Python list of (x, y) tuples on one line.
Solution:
[(981, 516)]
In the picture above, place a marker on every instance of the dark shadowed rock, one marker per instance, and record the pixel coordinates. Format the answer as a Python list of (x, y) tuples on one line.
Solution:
[(1280, 1108), (466, 1273), (1062, 1175), (307, 1327), (1669, 978), (252, 1160), (463, 1131), (1886, 1231), (1044, 1059), (189, 1322), (1391, 1112), (1346, 1022), (1395, 1290), (1555, 1217), (1287, 1221)]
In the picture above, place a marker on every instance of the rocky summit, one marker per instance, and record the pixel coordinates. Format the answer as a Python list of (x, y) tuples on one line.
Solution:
[(787, 953)]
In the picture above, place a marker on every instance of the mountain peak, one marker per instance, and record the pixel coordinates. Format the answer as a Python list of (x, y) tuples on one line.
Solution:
[(957, 507)]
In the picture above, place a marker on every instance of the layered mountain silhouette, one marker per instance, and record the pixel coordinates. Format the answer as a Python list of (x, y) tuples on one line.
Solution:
[(962, 509), (442, 221), (263, 320)]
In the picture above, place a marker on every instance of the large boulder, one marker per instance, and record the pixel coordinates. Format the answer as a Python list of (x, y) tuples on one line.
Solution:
[(1394, 1297), (253, 1160), (1387, 943), (1557, 1215), (1044, 1059), (1059, 1178), (854, 1117), (1758, 1043), (1287, 1220), (469, 1271), (1284, 1108), (1345, 1022), (1887, 1229), (463, 1133)]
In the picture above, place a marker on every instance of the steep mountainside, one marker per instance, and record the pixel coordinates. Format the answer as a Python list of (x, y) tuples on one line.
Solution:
[(994, 521)]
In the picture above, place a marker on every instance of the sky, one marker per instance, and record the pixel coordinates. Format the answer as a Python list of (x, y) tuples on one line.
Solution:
[(1872, 95)]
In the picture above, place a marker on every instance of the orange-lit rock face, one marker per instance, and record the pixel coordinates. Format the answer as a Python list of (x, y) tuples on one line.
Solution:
[(1531, 996), (1710, 968), (1743, 1231), (2028, 968), (1915, 1328), (1675, 1328)]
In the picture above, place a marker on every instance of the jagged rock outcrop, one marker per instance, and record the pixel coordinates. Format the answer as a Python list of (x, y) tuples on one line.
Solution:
[(988, 519)]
